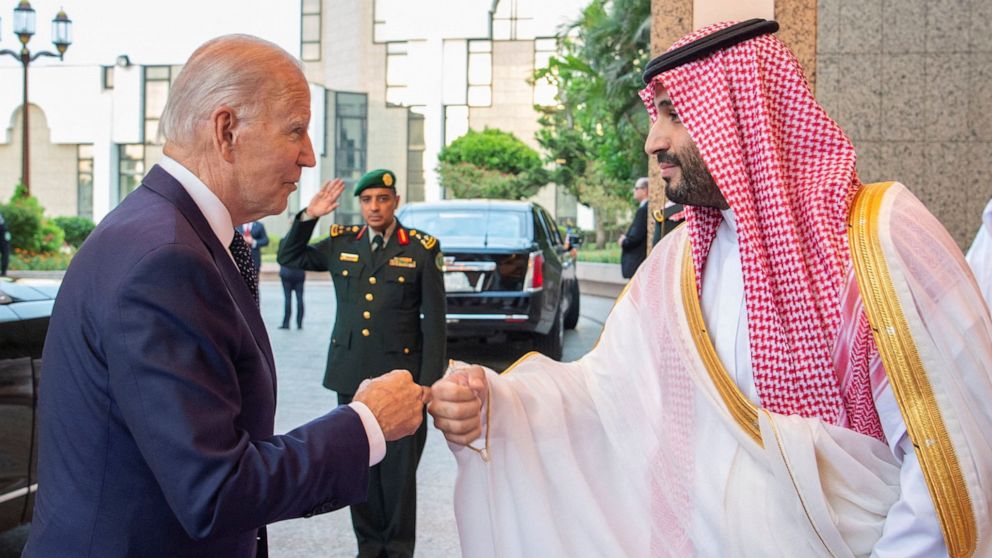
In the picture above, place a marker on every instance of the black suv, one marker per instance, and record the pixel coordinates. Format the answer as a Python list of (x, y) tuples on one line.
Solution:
[(506, 269), (25, 307)]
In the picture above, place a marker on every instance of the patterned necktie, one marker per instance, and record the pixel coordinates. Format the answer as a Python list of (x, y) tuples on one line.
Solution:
[(242, 257)]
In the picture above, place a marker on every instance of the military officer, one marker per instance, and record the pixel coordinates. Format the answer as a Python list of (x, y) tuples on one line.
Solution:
[(390, 314)]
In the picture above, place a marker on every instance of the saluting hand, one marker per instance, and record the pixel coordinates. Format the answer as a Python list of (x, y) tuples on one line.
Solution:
[(456, 404), (396, 402), (326, 199)]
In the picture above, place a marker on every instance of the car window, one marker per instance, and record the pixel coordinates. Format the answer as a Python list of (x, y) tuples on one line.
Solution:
[(461, 226), (554, 233)]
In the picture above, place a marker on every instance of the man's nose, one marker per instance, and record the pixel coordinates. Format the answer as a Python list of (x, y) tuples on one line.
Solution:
[(657, 141), (307, 157)]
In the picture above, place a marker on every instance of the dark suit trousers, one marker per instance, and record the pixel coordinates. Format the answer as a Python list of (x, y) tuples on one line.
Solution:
[(386, 523), (290, 286)]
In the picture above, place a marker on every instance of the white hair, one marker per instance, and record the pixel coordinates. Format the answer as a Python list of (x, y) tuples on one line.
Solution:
[(231, 70), (642, 182)]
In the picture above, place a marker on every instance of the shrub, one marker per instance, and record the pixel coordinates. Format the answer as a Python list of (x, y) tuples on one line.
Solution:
[(56, 261), (24, 225), (490, 164), (76, 229)]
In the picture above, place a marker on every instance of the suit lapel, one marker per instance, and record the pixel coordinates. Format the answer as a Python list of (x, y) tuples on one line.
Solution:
[(168, 187)]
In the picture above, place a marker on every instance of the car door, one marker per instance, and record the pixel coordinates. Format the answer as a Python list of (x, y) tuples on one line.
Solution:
[(16, 418), (545, 237)]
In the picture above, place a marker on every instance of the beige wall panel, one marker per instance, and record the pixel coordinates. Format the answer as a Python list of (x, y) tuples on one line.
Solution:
[(53, 166)]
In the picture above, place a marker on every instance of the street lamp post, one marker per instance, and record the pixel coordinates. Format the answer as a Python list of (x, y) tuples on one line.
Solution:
[(24, 18)]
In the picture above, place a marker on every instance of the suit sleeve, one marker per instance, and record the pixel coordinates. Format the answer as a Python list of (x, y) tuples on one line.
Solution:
[(262, 238), (295, 252), (637, 234), (178, 353), (433, 325)]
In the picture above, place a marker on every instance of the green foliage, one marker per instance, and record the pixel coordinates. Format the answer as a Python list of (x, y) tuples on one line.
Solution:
[(30, 231), (76, 229), (600, 118), (490, 164), (54, 261), (272, 247), (23, 225), (51, 237), (606, 255)]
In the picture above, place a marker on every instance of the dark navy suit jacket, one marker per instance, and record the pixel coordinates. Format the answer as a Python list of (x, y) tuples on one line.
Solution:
[(157, 400)]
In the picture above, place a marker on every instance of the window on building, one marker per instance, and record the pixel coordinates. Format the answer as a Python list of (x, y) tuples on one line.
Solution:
[(480, 73), (107, 76), (545, 90), (84, 180), (512, 21), (415, 179), (397, 73), (350, 141), (130, 168), (455, 122), (310, 30), (157, 81)]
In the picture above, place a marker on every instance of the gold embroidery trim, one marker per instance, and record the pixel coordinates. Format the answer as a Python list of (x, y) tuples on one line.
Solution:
[(743, 411), (907, 375)]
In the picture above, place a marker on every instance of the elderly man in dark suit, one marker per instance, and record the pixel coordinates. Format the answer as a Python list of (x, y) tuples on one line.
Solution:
[(158, 391), (633, 245)]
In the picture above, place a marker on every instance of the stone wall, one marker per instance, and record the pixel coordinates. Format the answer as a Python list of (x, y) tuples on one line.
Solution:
[(909, 81)]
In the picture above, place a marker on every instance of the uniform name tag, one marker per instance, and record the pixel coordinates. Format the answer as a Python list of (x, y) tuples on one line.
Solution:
[(347, 257), (400, 261)]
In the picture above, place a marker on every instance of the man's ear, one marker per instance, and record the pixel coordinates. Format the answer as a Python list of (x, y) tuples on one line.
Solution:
[(224, 122)]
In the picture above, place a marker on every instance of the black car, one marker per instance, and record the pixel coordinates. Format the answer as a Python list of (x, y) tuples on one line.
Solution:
[(25, 307), (506, 269)]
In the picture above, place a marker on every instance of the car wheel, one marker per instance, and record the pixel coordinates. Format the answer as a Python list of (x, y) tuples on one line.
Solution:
[(551, 345), (572, 316)]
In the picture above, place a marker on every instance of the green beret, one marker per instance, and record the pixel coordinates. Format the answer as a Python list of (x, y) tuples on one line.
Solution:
[(379, 178)]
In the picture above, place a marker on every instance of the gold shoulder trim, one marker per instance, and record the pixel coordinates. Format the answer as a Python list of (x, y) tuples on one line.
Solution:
[(658, 215), (744, 412), (907, 375), (338, 230)]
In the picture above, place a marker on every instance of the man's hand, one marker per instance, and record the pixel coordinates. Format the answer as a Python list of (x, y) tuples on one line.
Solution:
[(457, 404), (326, 199), (621, 239), (396, 401)]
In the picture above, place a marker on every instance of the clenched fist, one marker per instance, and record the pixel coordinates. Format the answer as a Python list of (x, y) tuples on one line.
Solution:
[(396, 401), (457, 404)]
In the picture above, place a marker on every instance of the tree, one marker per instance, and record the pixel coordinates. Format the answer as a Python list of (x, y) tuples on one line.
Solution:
[(490, 164), (600, 121)]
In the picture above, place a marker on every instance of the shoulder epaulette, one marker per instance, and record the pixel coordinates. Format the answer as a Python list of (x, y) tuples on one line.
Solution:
[(340, 230), (427, 240), (658, 215)]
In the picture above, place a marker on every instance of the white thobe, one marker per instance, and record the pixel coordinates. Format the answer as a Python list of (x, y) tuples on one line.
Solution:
[(911, 528)]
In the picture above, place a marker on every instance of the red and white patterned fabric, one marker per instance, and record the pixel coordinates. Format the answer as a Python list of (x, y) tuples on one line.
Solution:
[(788, 172)]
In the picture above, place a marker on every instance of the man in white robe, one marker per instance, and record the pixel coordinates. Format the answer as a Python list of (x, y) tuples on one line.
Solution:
[(801, 370)]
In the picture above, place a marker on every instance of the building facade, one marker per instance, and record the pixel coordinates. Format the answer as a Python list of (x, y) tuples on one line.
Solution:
[(392, 82)]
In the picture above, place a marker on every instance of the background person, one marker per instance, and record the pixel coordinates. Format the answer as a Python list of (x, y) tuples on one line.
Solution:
[(292, 279), (633, 247), (390, 314), (157, 400)]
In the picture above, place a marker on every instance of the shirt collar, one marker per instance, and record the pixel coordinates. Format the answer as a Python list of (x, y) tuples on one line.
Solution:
[(216, 214), (386, 235)]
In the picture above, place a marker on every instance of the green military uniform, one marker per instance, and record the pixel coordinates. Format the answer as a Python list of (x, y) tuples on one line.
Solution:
[(378, 328)]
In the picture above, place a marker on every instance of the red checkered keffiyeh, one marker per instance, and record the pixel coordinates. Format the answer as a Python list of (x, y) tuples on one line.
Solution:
[(787, 171)]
